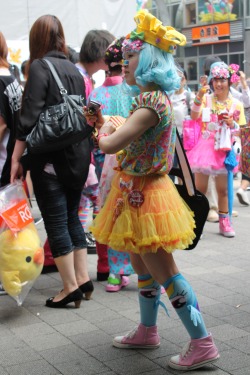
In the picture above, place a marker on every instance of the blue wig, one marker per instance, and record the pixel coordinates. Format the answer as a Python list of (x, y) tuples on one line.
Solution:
[(157, 66)]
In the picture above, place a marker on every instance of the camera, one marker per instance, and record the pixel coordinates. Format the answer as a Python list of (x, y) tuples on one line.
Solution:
[(93, 107)]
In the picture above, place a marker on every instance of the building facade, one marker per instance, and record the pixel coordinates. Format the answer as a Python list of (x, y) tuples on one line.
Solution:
[(212, 27)]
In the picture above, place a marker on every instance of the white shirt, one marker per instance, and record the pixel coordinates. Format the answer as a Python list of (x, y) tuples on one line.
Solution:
[(180, 107), (243, 97)]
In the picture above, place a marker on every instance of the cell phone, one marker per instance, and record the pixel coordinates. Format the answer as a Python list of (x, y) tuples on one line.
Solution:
[(203, 80), (222, 115), (93, 107)]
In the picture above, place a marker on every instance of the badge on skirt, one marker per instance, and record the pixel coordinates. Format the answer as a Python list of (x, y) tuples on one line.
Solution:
[(135, 198)]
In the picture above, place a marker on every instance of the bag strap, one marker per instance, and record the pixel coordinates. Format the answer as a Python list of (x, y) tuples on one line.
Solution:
[(184, 172), (62, 90)]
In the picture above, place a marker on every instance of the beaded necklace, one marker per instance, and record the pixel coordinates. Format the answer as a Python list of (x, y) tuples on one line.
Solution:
[(219, 106)]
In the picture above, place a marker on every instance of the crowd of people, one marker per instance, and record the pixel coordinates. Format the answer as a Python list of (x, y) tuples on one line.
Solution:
[(122, 172)]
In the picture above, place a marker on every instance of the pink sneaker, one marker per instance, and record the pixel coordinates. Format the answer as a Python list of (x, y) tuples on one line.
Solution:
[(114, 284), (197, 353), (225, 227), (140, 337)]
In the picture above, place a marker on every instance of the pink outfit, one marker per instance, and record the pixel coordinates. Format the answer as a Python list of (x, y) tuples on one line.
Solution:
[(206, 156)]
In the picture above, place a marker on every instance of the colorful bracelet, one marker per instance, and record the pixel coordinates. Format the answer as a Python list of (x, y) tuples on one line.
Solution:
[(197, 100), (101, 135)]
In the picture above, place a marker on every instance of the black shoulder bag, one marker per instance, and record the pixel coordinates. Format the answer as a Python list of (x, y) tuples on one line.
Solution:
[(59, 125), (197, 201)]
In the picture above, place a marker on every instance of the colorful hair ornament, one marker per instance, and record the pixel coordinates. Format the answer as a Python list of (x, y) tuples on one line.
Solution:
[(131, 45), (113, 55), (233, 69), (150, 30), (221, 70)]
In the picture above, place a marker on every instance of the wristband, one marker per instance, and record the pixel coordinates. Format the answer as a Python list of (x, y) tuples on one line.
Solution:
[(197, 100), (196, 108)]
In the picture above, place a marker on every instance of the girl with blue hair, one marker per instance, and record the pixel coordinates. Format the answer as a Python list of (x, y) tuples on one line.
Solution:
[(143, 213)]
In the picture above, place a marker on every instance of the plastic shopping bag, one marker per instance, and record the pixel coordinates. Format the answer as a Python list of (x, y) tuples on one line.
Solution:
[(225, 138), (21, 253)]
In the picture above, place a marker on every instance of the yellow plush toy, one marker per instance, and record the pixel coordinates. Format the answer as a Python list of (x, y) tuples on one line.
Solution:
[(21, 259)]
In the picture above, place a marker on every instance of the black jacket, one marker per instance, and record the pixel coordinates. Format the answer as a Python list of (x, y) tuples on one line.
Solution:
[(72, 163)]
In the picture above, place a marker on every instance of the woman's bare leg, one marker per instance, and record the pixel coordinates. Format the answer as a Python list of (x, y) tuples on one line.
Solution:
[(81, 266), (65, 265)]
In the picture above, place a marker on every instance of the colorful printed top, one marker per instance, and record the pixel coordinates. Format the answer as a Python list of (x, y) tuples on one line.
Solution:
[(152, 152), (114, 101)]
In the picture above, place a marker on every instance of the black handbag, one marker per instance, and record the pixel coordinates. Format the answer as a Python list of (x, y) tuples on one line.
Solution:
[(59, 125), (197, 201)]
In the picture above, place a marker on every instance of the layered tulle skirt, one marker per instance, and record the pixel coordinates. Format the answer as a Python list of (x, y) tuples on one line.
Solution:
[(203, 158), (143, 214)]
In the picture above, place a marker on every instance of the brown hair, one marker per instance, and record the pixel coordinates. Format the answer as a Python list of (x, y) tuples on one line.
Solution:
[(46, 35), (3, 51)]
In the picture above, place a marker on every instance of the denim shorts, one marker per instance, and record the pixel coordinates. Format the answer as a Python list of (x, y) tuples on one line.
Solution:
[(59, 208)]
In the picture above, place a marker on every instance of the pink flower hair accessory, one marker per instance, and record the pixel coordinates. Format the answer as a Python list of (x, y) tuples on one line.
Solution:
[(221, 70), (233, 69)]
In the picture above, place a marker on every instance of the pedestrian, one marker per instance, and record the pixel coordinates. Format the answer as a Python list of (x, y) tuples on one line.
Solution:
[(221, 115), (244, 98), (91, 60), (57, 177), (113, 102), (143, 213)]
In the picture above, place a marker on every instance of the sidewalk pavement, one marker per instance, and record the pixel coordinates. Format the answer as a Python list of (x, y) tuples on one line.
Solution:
[(36, 340)]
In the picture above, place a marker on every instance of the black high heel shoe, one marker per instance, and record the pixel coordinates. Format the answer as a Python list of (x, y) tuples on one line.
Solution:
[(87, 289), (75, 296)]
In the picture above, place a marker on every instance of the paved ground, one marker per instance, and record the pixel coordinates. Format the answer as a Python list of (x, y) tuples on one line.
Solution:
[(38, 340)]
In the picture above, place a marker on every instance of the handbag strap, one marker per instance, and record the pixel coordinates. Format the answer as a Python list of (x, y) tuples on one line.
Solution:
[(62, 90), (185, 171)]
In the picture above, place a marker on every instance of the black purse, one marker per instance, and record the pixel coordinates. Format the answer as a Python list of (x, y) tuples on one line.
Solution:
[(59, 125), (197, 201)]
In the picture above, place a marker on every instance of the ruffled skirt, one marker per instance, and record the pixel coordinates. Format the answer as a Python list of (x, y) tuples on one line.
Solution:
[(203, 158), (161, 219)]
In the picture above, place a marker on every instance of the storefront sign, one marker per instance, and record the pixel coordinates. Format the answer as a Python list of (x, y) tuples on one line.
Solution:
[(211, 34)]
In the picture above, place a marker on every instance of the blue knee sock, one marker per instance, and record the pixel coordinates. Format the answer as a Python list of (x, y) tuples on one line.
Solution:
[(184, 301), (149, 298)]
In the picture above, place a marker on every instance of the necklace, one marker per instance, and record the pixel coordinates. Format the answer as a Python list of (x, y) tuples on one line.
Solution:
[(223, 104)]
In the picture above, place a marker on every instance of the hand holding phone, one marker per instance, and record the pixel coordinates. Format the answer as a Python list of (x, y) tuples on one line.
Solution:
[(93, 107), (222, 115)]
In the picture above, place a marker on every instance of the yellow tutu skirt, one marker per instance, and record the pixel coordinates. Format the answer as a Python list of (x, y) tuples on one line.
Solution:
[(163, 220)]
